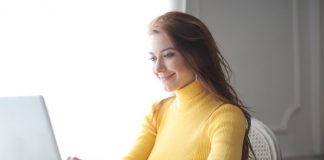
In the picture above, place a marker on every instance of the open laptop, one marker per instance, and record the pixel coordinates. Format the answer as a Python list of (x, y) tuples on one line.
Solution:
[(26, 132)]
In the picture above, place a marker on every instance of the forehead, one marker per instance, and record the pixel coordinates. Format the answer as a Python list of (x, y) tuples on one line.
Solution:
[(159, 42)]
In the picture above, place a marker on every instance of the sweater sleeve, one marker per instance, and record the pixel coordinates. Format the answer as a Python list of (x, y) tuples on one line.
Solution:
[(226, 132), (145, 141)]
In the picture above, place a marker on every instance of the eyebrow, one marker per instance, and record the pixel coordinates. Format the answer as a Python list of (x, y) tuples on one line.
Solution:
[(163, 50), (169, 48)]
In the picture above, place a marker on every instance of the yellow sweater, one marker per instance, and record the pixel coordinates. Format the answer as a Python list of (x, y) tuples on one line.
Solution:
[(191, 126)]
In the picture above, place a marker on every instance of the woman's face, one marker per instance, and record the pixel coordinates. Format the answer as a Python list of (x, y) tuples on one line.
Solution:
[(168, 64)]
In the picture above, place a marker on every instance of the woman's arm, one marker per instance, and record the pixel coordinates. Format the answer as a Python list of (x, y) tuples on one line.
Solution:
[(226, 131), (145, 142)]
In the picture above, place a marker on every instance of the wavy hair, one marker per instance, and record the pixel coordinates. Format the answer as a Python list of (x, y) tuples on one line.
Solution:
[(195, 43)]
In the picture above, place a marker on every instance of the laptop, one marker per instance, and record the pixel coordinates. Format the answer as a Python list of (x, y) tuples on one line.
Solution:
[(26, 132)]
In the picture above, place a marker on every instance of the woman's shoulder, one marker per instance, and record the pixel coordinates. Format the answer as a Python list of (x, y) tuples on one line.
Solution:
[(229, 108), (228, 115), (159, 108), (167, 101), (228, 111)]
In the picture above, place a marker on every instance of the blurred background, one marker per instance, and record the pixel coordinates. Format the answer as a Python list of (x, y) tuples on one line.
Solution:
[(275, 49), (89, 60)]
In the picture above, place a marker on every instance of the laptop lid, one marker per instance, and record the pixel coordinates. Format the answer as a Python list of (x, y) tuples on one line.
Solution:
[(25, 130)]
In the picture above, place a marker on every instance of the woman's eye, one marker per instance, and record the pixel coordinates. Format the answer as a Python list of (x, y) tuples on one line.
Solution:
[(169, 54), (152, 59)]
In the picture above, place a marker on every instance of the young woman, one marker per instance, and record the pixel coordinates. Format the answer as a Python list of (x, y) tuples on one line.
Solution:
[(205, 119)]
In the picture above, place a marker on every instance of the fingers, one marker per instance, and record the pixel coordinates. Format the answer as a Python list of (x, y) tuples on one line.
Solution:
[(73, 158)]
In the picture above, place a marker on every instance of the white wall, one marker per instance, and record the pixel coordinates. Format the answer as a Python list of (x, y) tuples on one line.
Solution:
[(273, 47), (322, 66), (90, 61)]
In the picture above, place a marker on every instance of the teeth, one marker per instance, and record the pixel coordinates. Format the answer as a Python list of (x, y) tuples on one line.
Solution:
[(165, 77)]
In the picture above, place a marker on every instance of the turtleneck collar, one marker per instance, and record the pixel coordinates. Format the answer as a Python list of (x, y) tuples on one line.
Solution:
[(188, 93)]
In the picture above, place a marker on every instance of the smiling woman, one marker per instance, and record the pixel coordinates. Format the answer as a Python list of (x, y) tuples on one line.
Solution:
[(169, 66), (204, 119), (87, 58)]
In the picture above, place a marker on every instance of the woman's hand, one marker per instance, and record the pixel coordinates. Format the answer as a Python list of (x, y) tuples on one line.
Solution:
[(73, 158)]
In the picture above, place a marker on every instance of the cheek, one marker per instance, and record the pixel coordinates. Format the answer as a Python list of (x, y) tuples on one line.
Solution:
[(186, 68), (184, 71), (181, 65), (176, 65)]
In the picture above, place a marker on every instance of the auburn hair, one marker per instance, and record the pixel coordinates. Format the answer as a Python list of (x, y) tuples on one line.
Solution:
[(191, 37)]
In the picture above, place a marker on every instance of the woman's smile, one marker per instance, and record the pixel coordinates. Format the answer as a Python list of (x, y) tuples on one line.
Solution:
[(169, 66), (166, 77)]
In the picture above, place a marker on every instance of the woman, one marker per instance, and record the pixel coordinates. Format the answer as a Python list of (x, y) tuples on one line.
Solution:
[(205, 119)]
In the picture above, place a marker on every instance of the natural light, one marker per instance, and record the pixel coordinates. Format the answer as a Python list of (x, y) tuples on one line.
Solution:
[(89, 60)]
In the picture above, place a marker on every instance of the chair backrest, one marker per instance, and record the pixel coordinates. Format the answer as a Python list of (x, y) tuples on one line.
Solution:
[(263, 141)]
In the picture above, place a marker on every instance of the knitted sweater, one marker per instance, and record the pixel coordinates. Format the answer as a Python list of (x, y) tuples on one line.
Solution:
[(191, 126)]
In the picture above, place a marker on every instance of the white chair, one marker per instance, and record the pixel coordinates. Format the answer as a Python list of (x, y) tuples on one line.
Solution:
[(263, 141)]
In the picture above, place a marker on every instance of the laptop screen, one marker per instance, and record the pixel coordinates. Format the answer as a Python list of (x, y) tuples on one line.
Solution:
[(25, 130)]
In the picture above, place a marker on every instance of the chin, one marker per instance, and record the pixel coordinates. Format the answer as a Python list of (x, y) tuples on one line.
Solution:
[(169, 88)]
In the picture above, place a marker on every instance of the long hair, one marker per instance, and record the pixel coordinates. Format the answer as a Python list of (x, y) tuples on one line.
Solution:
[(195, 43)]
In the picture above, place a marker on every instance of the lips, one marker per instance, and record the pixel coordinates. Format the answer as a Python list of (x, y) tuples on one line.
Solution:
[(166, 77)]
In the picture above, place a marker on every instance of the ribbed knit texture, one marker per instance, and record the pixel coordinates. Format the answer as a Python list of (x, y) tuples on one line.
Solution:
[(191, 126)]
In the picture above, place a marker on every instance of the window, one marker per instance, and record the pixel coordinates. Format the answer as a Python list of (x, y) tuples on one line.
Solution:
[(89, 61)]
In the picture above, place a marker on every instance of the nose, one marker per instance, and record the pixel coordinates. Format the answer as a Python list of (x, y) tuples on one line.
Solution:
[(159, 66)]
